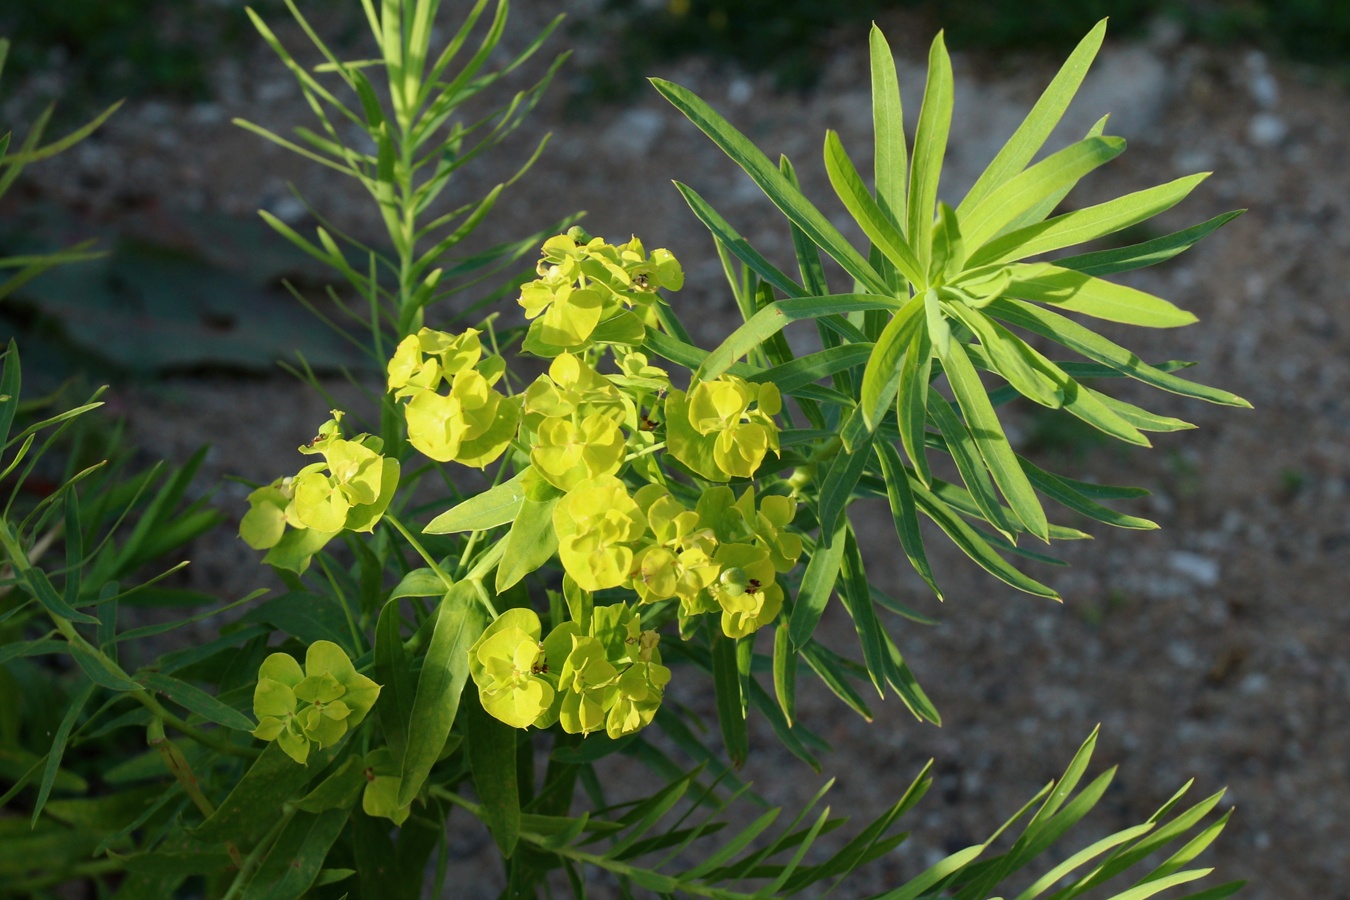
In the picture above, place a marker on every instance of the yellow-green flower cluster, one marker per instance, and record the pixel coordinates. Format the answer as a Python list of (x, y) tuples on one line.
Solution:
[(590, 291), (609, 678), (723, 556), (316, 705), (472, 422), (349, 490), (723, 429)]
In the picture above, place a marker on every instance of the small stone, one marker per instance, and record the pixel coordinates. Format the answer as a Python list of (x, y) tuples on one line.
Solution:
[(634, 133), (740, 92), (1266, 129), (1200, 569)]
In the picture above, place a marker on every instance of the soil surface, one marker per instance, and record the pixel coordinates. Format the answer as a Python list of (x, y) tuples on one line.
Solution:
[(1213, 649)]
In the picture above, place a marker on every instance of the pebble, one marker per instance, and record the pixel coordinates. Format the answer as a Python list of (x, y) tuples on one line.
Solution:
[(1266, 129), (634, 133), (1200, 569)]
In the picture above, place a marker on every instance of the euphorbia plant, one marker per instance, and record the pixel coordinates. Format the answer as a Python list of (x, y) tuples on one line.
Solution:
[(655, 507)]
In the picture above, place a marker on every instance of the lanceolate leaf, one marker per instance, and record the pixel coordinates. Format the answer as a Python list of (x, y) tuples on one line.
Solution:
[(930, 145), (492, 756), (493, 507), (765, 174), (911, 402), (1032, 134), (774, 318), (888, 125), (1083, 225), (857, 600), (459, 621), (1076, 292), (58, 747), (730, 703), (881, 377), (1053, 174), (865, 211), (530, 542), (1148, 253), (737, 245), (966, 454), (904, 511), (1050, 324), (993, 443), (817, 585)]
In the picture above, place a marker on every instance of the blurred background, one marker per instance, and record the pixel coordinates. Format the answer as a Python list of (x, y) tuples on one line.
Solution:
[(1214, 649)]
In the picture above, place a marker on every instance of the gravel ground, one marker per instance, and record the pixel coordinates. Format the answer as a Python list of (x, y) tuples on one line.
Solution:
[(1213, 649)]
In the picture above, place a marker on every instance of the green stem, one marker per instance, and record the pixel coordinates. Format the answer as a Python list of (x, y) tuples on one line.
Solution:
[(421, 551), (357, 641), (205, 738)]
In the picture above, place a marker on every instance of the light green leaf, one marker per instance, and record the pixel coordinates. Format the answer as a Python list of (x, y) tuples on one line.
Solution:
[(830, 668), (295, 859), (930, 145), (836, 489), (969, 463), (418, 583), (459, 621), (1032, 134), (993, 443), (493, 507), (530, 543), (911, 402), (1056, 173), (1061, 492), (1148, 253), (881, 377), (785, 671), (255, 802), (737, 245), (1095, 347), (865, 211), (888, 127), (778, 189), (1076, 292), (775, 317), (1083, 225)]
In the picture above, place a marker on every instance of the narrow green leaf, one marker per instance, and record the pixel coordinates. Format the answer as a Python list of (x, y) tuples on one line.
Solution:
[(911, 402), (881, 377), (778, 189), (930, 145), (818, 583), (293, 863), (935, 874), (867, 213), (737, 245), (888, 127), (255, 802), (393, 672), (827, 667), (1061, 492), (785, 671), (1088, 224), (1147, 253), (907, 686), (1076, 292), (730, 704), (857, 599), (904, 511), (971, 466), (807, 370), (26, 157), (195, 699), (1136, 416), (1080, 339), (492, 757), (774, 318), (493, 507), (1055, 174), (973, 545), (1032, 134), (58, 748), (836, 489), (100, 670), (530, 543), (459, 621), (993, 443), (9, 391), (949, 246), (787, 735)]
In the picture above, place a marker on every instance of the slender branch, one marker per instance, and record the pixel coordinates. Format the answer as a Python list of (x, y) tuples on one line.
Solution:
[(421, 551)]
